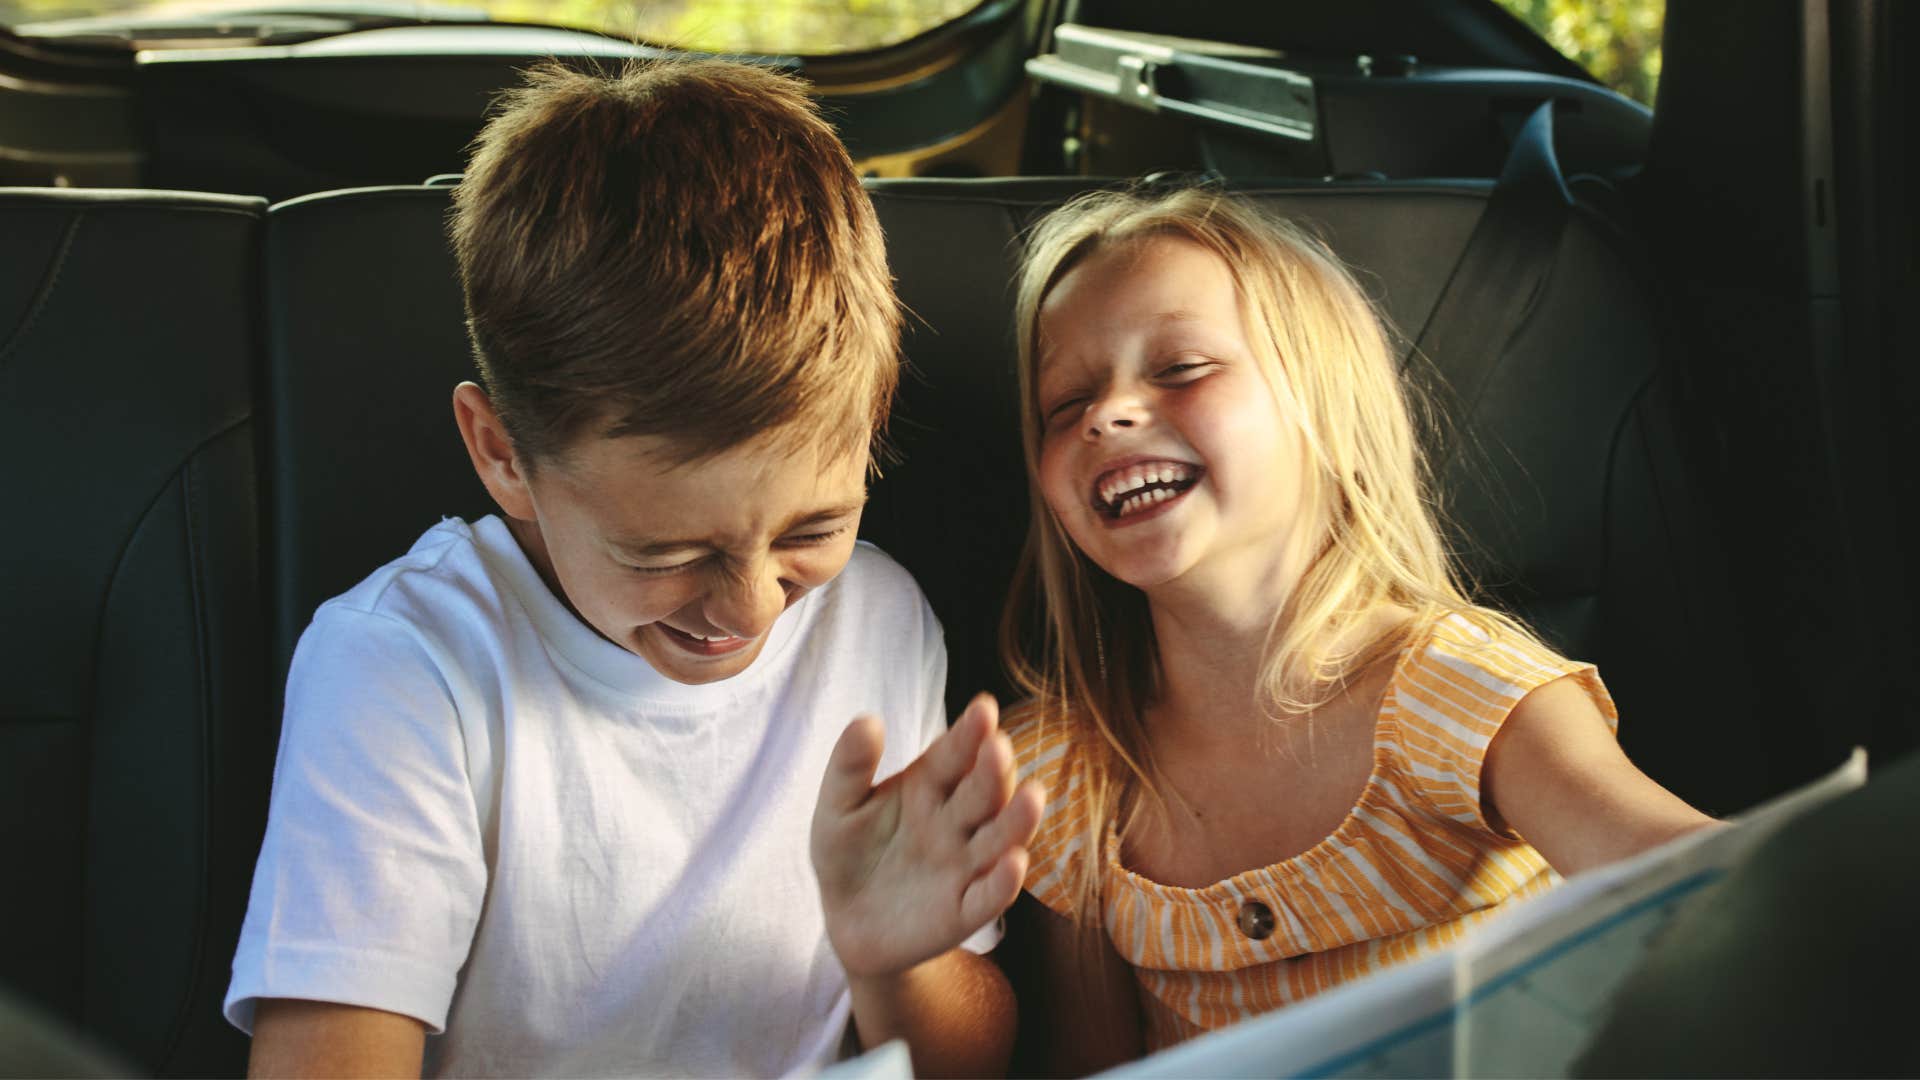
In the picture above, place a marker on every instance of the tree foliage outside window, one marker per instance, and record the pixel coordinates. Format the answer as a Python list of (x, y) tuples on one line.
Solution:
[(803, 27), (1617, 40)]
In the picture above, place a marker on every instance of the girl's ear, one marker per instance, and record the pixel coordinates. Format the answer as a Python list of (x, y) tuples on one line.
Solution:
[(491, 450)]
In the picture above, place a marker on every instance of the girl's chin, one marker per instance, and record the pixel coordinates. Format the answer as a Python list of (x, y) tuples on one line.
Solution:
[(1146, 575)]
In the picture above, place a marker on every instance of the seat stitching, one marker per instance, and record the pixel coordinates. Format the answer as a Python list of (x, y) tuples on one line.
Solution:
[(45, 292), (183, 474), (189, 490)]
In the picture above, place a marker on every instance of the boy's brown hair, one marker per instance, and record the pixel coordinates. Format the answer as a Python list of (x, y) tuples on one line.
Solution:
[(681, 250)]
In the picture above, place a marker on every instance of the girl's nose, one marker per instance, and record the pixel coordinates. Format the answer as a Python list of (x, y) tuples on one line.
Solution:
[(1113, 411)]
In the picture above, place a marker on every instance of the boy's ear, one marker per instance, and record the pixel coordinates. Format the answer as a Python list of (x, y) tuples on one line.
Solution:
[(491, 451)]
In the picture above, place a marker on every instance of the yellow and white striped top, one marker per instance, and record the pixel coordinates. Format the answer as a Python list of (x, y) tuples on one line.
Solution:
[(1414, 863)]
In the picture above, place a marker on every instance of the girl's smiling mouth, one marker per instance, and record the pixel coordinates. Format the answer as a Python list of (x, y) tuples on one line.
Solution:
[(1133, 490)]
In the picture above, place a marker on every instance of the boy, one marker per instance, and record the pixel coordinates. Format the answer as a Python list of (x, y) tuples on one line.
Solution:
[(545, 783)]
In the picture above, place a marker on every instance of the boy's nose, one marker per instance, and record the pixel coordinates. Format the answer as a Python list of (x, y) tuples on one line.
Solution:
[(744, 603)]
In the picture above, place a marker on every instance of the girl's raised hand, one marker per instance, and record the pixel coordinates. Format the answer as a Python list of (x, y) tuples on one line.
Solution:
[(910, 868)]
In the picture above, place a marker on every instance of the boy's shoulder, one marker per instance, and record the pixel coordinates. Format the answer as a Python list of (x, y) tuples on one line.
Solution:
[(452, 602), (873, 590), (453, 584), (445, 554), (872, 604), (873, 572)]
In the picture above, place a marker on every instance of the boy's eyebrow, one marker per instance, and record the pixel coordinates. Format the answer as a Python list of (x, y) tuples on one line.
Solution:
[(824, 514), (640, 545)]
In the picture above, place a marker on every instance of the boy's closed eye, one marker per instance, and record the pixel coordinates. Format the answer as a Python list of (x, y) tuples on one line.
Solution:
[(811, 538), (666, 568), (793, 540)]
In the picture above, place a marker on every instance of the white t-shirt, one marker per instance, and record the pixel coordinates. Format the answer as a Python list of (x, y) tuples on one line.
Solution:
[(490, 818)]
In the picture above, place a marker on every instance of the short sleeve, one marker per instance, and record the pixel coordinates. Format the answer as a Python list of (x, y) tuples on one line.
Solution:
[(1449, 698), (371, 876), (1042, 753)]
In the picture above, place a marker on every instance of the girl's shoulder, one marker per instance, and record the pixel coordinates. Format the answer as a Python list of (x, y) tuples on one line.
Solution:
[(1477, 661), (1034, 736), (1048, 750), (1457, 680)]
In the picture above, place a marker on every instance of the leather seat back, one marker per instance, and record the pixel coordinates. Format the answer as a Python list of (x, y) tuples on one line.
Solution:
[(368, 341), (134, 750)]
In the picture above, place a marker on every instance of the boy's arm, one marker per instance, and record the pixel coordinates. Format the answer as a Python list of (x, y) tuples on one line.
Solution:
[(293, 1038), (371, 875), (911, 867), (1556, 774), (956, 1012)]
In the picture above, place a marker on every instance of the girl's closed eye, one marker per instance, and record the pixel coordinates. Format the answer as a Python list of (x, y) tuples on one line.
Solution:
[(1184, 371), (1064, 409)]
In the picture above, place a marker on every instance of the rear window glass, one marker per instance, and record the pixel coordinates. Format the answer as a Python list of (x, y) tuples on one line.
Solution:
[(1617, 40), (804, 27)]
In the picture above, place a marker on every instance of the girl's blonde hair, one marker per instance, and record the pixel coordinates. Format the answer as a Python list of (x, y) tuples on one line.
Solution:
[(1080, 643)]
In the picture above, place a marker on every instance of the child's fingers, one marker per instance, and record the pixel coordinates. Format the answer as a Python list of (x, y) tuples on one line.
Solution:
[(952, 754), (1011, 829), (992, 892), (986, 786), (850, 768)]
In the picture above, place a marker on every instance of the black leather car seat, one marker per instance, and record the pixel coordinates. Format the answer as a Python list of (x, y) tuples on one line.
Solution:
[(133, 744), (367, 341)]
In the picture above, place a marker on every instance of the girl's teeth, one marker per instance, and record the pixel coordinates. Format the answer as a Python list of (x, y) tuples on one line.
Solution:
[(1121, 492)]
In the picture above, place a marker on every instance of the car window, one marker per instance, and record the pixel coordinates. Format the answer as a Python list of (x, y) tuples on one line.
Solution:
[(793, 27), (1617, 40), (803, 27)]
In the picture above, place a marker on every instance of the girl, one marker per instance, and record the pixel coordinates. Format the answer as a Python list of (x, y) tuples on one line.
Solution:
[(1282, 747)]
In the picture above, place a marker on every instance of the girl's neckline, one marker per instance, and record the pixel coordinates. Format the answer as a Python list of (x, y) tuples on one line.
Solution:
[(1326, 848)]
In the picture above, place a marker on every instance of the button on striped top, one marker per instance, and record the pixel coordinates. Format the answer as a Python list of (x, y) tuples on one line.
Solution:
[(1415, 862)]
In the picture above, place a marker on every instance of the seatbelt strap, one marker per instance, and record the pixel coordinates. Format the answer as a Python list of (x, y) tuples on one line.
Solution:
[(1494, 287)]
